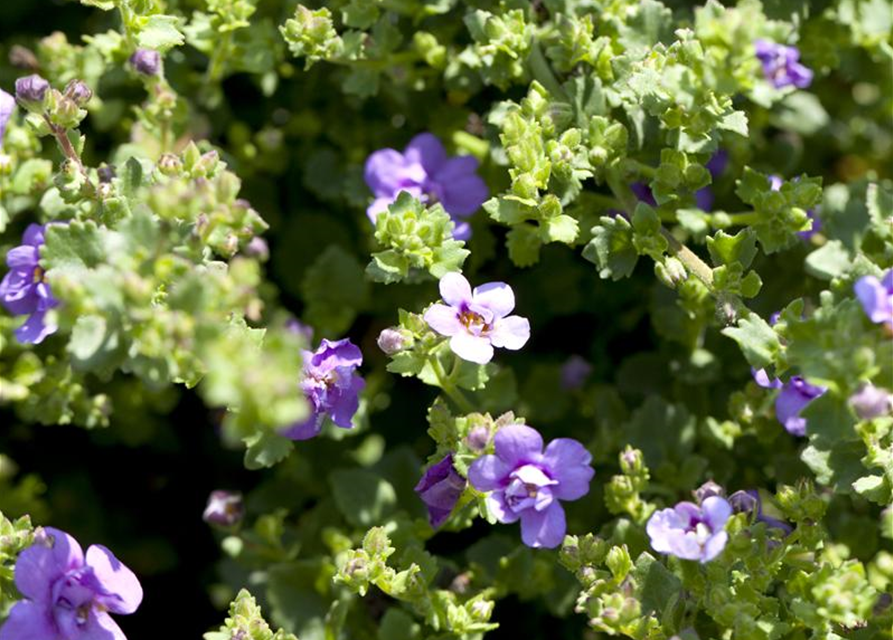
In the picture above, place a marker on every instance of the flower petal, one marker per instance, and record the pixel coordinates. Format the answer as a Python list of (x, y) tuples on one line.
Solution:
[(472, 348), (462, 196), (23, 257), (35, 329), (443, 319), (28, 621), (716, 512), (714, 546), (100, 626), (569, 462), (488, 473), (122, 592), (498, 297), (518, 444), (455, 290), (543, 529), (426, 150), (384, 172), (43, 562), (34, 235), (875, 299), (345, 401), (510, 333), (500, 510)]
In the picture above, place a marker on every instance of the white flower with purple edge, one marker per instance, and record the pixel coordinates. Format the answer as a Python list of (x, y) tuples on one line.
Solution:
[(689, 531), (526, 482), (478, 320)]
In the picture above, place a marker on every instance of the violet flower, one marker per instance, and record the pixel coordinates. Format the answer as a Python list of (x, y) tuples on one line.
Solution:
[(716, 165), (749, 502), (30, 90), (225, 508), (146, 61), (330, 386), (476, 321), (871, 402), (424, 171), (526, 483), (689, 531), (876, 297), (7, 106), (68, 596), (440, 489), (574, 372), (775, 182), (24, 290), (781, 65), (795, 395)]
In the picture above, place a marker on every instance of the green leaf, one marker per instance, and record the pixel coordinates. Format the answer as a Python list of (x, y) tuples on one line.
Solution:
[(757, 340), (160, 32), (524, 243), (364, 498), (829, 261), (658, 585), (562, 228), (266, 449), (726, 249), (735, 121), (334, 290), (611, 248)]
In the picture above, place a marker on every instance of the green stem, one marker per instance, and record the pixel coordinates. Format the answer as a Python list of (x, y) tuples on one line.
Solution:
[(609, 202), (446, 384), (543, 74), (743, 219), (641, 168)]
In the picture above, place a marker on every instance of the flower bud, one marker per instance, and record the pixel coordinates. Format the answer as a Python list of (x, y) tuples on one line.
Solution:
[(631, 461), (225, 508), (169, 165), (745, 502), (78, 92), (146, 61), (391, 341), (106, 173), (871, 402), (258, 248), (478, 438), (574, 372), (31, 90), (707, 490), (671, 272)]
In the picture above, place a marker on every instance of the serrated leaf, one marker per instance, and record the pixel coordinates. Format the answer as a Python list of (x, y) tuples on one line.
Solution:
[(611, 248), (757, 340), (727, 249), (160, 32), (364, 498), (265, 449)]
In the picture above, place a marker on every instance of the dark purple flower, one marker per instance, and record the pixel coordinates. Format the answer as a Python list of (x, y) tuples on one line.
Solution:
[(68, 596), (876, 297), (704, 199), (225, 508), (749, 502), (795, 395), (781, 65), (716, 165), (775, 182), (476, 321), (146, 61), (330, 386), (871, 402), (24, 290), (439, 489), (7, 106), (574, 372), (643, 193), (31, 89), (689, 531), (524, 482), (424, 171)]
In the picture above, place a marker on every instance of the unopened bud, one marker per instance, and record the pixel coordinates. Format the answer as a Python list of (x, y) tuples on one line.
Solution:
[(169, 164), (871, 402), (708, 490), (478, 438), (391, 341), (31, 90), (225, 508), (146, 61), (78, 92)]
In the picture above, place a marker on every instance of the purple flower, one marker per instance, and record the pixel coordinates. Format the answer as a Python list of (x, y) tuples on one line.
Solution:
[(574, 372), (643, 193), (871, 402), (225, 508), (781, 65), (424, 171), (330, 386), (31, 89), (749, 502), (716, 165), (24, 291), (524, 482), (68, 596), (876, 297), (689, 531), (476, 321), (296, 326), (7, 106), (439, 489), (775, 182), (795, 395), (146, 61)]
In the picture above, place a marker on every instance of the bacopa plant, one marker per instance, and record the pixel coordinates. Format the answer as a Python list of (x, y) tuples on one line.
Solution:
[(367, 320)]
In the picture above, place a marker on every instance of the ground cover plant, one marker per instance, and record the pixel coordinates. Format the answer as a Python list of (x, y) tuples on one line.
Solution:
[(429, 320)]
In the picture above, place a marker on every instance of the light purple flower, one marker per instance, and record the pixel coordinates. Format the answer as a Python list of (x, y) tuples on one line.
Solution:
[(7, 106), (526, 483), (31, 89), (781, 65), (749, 502), (794, 397), (574, 372), (440, 489), (225, 508), (876, 297), (424, 171), (24, 290), (871, 402), (330, 386), (293, 325), (689, 531), (476, 321), (68, 595), (146, 61)]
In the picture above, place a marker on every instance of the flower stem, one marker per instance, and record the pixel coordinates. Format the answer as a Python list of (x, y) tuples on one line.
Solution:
[(542, 72), (447, 386)]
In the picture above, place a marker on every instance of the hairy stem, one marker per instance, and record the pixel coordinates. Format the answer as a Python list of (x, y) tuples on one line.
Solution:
[(447, 386)]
